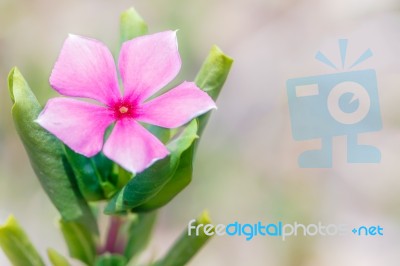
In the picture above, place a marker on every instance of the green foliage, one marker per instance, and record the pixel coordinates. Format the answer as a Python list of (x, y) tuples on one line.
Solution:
[(56, 258), (95, 176), (131, 25), (148, 183), (139, 234), (186, 246), (80, 242), (71, 180), (211, 79), (46, 154), (17, 246), (111, 260)]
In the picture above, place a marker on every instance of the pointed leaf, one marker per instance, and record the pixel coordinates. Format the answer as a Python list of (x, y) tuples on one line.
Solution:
[(180, 179), (187, 246), (148, 183), (94, 175), (17, 246), (56, 258), (80, 241), (46, 153), (211, 79), (131, 25)]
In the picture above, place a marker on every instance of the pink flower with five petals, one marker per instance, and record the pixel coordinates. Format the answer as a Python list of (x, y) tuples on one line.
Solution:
[(86, 69)]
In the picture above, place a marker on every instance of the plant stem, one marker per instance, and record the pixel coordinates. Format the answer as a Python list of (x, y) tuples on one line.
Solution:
[(112, 244)]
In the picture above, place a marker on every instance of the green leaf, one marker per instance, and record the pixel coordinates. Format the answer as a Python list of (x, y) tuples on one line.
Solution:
[(131, 25), (148, 183), (163, 134), (80, 241), (17, 246), (46, 153), (180, 179), (139, 234), (111, 260), (123, 177), (94, 175), (187, 245), (211, 79), (56, 258)]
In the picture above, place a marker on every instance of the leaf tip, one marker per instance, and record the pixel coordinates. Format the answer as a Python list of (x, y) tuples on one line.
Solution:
[(56, 258), (13, 72), (132, 24), (204, 218), (10, 221), (216, 51), (16, 84)]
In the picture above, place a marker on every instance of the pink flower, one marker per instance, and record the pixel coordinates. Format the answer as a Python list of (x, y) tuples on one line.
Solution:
[(85, 69)]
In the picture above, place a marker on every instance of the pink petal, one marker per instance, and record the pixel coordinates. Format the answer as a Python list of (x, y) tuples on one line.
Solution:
[(133, 147), (79, 125), (176, 107), (148, 63), (85, 68)]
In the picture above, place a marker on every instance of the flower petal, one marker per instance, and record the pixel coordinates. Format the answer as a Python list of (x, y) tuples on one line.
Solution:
[(148, 63), (79, 125), (176, 107), (133, 147), (86, 68)]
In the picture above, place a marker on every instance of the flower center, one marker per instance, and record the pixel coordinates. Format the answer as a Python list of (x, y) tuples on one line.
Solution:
[(123, 109)]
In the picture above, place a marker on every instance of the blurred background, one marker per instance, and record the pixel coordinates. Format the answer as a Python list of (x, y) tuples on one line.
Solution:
[(246, 169)]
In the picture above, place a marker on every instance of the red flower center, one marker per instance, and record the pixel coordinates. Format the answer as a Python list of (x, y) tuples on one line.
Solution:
[(123, 109)]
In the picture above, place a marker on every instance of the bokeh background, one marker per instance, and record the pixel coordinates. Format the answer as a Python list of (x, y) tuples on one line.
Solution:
[(246, 169)]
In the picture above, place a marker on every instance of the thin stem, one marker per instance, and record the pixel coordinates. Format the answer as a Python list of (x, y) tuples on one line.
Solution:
[(112, 245)]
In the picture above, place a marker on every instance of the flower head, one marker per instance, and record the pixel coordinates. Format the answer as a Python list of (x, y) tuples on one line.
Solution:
[(86, 69)]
